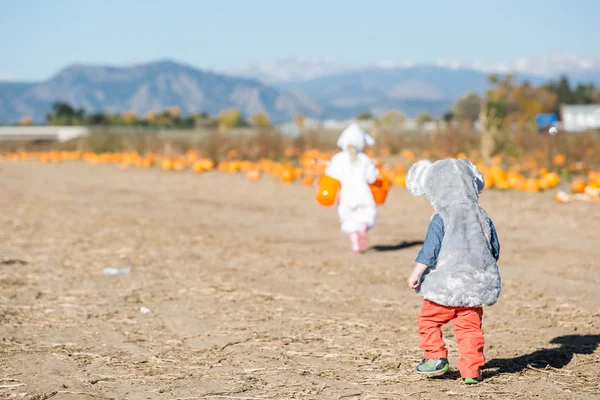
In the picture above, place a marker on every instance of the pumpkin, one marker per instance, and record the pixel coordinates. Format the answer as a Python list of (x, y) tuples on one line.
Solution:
[(147, 162), (532, 185), (328, 190), (578, 186), (585, 197), (308, 180), (407, 154), (551, 179), (253, 175), (233, 167), (197, 166), (223, 166), (207, 164), (399, 180), (559, 160), (502, 184), (166, 164), (515, 180), (489, 181), (592, 190), (287, 175), (563, 198), (594, 177), (380, 189)]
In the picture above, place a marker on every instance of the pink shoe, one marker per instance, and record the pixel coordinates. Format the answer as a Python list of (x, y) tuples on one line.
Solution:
[(355, 242), (362, 240)]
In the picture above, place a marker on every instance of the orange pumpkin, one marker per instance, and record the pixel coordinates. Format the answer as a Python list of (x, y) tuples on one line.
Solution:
[(400, 180), (380, 189), (551, 179), (287, 175), (197, 166), (327, 192), (489, 181), (167, 164), (207, 164), (563, 198), (233, 167), (407, 154), (179, 165), (532, 185), (223, 166), (592, 190), (559, 160), (578, 186), (308, 180), (253, 175)]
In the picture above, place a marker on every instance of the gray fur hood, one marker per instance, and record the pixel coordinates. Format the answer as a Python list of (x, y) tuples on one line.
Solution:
[(466, 273)]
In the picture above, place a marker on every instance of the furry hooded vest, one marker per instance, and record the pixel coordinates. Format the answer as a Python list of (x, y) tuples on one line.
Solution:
[(466, 274)]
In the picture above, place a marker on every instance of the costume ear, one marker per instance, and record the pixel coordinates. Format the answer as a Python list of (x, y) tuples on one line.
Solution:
[(369, 139), (475, 174), (417, 174)]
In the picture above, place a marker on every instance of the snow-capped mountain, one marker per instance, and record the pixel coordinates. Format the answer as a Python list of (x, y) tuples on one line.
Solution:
[(299, 69), (290, 69)]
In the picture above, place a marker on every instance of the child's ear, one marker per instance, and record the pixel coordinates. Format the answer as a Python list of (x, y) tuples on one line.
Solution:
[(415, 180), (475, 174)]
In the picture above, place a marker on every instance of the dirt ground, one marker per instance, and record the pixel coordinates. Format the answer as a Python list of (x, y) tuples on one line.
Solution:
[(253, 293)]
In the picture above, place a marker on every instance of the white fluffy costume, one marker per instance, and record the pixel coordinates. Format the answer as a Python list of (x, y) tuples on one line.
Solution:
[(466, 273), (356, 205)]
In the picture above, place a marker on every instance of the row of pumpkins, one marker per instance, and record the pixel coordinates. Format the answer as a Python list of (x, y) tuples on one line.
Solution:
[(524, 176), (582, 190)]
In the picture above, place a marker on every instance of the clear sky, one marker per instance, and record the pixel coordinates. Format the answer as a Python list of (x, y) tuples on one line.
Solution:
[(39, 37)]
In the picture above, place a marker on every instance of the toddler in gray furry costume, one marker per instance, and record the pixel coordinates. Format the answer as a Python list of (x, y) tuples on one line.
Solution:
[(456, 270)]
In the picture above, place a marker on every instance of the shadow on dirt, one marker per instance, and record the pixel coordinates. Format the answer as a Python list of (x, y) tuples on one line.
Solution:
[(13, 262), (557, 357), (396, 247)]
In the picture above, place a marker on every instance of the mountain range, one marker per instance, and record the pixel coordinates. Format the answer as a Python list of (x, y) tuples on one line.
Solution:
[(317, 89)]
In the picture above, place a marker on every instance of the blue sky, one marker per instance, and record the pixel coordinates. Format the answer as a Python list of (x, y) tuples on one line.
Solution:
[(37, 38)]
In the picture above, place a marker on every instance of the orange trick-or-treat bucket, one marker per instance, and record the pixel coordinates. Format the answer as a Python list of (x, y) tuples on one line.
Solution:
[(380, 188), (327, 191)]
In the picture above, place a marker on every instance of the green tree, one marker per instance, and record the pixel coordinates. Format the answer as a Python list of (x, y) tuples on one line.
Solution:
[(299, 120), (392, 117), (468, 107), (365, 115), (130, 118), (424, 118), (204, 120), (64, 114), (260, 120), (26, 121), (231, 118), (448, 116), (96, 119)]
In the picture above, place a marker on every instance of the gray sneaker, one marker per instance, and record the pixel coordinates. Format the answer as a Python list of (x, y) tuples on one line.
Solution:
[(433, 366)]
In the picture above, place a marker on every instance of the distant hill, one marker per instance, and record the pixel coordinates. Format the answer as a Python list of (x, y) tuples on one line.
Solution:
[(413, 90), (320, 90), (148, 87)]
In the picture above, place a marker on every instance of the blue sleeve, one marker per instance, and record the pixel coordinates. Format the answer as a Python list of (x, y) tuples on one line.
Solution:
[(494, 242), (433, 242)]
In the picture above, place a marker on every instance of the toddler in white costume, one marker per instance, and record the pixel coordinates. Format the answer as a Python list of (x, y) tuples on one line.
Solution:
[(355, 171)]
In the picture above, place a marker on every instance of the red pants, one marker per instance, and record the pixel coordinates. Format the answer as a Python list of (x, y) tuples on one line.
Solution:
[(467, 328)]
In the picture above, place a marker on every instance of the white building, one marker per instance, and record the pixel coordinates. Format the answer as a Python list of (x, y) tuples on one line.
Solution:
[(54, 133), (577, 118)]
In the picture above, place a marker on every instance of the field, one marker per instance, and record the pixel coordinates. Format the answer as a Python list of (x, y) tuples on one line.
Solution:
[(253, 293)]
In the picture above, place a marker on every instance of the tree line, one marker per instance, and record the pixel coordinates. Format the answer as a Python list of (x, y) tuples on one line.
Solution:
[(63, 114), (505, 103)]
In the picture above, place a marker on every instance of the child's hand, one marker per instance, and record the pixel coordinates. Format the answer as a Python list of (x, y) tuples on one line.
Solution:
[(413, 281)]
